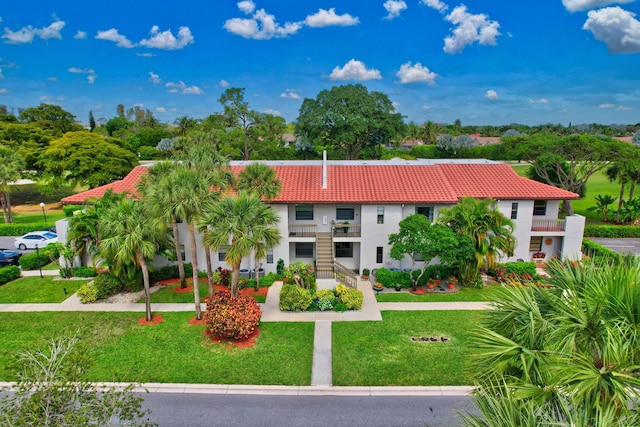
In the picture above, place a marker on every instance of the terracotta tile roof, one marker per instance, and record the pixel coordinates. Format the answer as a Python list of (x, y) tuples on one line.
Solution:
[(127, 184), (376, 183)]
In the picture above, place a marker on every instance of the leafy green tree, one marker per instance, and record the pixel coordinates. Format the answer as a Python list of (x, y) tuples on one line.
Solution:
[(11, 167), (625, 170), (602, 206), (92, 121), (490, 230), (28, 139), (85, 158), (52, 390), (430, 132), (241, 223), (565, 355), (184, 124), (61, 120), (117, 127), (238, 115), (131, 235), (349, 118), (418, 237), (550, 155)]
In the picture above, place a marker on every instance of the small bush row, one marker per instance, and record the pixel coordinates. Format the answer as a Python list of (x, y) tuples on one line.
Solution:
[(84, 271), (171, 272), (612, 231), (231, 317), (9, 273), (70, 209), (34, 260), (595, 250), (295, 298), (518, 268), (20, 229), (390, 279)]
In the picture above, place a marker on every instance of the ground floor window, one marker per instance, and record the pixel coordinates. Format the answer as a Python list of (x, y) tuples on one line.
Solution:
[(304, 250), (183, 254), (270, 256), (222, 253), (344, 249), (535, 244), (379, 255)]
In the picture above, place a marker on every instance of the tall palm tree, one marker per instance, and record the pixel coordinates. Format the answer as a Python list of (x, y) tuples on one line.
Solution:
[(130, 236), (490, 230), (11, 167), (160, 188), (568, 354), (244, 224)]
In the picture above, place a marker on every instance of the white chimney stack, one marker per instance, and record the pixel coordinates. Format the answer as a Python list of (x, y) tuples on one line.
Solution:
[(324, 169)]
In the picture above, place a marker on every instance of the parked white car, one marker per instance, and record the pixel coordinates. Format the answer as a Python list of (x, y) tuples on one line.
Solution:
[(30, 240)]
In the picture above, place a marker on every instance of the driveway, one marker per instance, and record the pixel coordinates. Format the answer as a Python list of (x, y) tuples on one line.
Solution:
[(627, 245)]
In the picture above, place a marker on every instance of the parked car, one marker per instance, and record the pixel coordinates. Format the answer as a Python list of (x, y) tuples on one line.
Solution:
[(8, 257), (30, 240)]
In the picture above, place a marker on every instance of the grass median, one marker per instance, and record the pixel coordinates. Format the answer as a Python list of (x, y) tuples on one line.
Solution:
[(171, 352), (392, 352), (464, 294)]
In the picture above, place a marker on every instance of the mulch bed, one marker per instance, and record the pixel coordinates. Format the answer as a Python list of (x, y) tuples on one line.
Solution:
[(194, 321), (418, 291), (249, 342), (248, 292), (155, 319)]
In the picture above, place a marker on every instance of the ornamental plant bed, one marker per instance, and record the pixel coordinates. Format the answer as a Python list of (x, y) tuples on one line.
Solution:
[(419, 291), (248, 342), (155, 320)]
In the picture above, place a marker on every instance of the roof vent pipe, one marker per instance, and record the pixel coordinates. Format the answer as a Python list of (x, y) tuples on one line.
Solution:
[(324, 169)]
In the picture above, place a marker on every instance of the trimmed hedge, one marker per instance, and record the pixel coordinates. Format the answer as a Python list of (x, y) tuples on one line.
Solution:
[(9, 273), (20, 229), (612, 231), (70, 209), (519, 268), (294, 298), (390, 279), (595, 250), (84, 271)]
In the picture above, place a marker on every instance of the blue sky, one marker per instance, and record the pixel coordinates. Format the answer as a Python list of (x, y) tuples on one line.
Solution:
[(482, 61)]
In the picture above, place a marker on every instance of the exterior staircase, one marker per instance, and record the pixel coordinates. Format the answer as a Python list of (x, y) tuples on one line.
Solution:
[(324, 255)]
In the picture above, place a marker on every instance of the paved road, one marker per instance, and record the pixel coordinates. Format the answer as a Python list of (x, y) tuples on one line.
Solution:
[(627, 245), (186, 410)]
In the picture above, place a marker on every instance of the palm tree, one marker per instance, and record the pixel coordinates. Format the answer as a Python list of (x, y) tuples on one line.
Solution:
[(11, 166), (160, 188), (602, 206), (244, 224), (490, 230), (430, 132), (568, 354), (130, 236)]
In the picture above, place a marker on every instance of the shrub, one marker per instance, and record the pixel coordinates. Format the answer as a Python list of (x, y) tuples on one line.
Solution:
[(70, 209), (30, 261), (325, 294), (280, 267), (595, 250), (87, 293), (225, 276), (612, 231), (84, 271), (518, 268), (9, 273), (340, 307), (353, 299), (324, 304), (341, 289), (20, 229), (106, 284), (366, 271), (392, 278), (325, 299), (294, 298), (269, 278), (231, 317)]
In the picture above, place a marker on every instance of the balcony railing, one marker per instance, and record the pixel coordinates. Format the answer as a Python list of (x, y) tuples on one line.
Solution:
[(548, 225), (303, 230), (346, 230)]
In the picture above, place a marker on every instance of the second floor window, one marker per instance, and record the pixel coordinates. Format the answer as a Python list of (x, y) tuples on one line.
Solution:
[(304, 212), (380, 214), (345, 213), (427, 211), (514, 211), (539, 207)]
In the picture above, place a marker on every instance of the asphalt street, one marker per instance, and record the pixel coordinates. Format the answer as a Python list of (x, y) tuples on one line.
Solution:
[(191, 410), (627, 245)]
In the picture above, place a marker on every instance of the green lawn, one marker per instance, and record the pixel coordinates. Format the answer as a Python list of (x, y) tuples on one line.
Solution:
[(465, 294), (27, 218), (383, 354), (37, 290), (172, 352)]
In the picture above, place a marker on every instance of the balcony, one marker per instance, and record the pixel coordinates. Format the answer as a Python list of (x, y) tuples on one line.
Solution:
[(303, 230), (346, 230), (548, 225)]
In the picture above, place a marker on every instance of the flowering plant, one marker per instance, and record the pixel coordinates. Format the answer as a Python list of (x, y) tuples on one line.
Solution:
[(539, 254)]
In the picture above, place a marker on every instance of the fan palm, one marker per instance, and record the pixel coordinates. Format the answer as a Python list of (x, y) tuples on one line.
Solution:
[(131, 236), (244, 224)]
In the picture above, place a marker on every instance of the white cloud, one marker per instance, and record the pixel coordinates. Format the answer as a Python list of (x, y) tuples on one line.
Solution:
[(182, 88), (28, 33), (80, 35), (247, 6), (470, 28), (623, 108), (112, 35), (3, 90), (91, 75), (261, 26), (395, 104), (52, 79), (161, 110), (326, 18), (273, 112), (539, 101), (606, 105), (291, 94), (436, 4), (578, 5), (394, 8), (224, 83), (491, 94), (1, 76), (154, 78), (166, 40), (616, 27), (354, 70), (426, 107), (416, 74), (146, 54)]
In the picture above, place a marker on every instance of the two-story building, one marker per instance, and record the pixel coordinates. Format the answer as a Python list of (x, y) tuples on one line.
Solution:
[(345, 210)]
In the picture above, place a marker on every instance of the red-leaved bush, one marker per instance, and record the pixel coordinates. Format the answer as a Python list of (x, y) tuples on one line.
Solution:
[(231, 317)]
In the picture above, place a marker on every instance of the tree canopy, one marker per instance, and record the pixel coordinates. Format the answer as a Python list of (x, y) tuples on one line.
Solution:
[(62, 120), (86, 158), (349, 118)]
